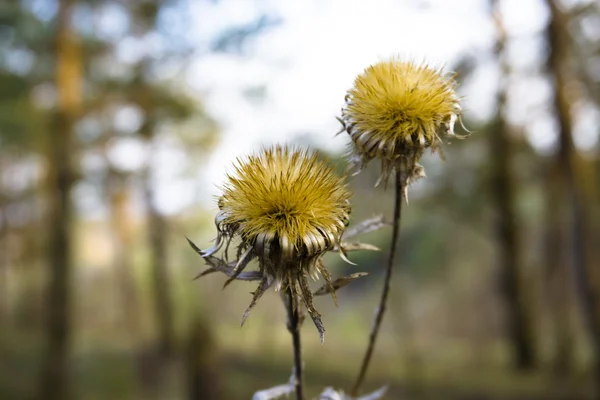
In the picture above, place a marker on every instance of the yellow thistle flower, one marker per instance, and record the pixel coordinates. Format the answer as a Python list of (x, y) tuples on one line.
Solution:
[(287, 208), (396, 110)]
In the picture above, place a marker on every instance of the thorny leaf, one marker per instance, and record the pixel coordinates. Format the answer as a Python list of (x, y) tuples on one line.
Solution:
[(193, 245), (356, 247), (339, 283), (234, 270), (345, 247), (242, 262), (329, 284), (218, 265), (331, 394), (366, 226), (314, 314), (343, 254), (262, 288)]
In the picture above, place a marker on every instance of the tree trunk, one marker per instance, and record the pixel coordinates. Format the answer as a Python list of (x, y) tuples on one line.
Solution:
[(160, 276), (567, 157), (157, 240), (4, 278), (202, 362), (123, 244), (520, 321), (4, 258), (55, 367), (558, 278)]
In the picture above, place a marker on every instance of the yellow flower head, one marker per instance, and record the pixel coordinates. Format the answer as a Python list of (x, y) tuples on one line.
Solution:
[(287, 203), (397, 109), (287, 208)]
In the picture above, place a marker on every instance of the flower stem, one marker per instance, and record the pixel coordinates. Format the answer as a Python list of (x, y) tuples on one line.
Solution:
[(386, 285), (294, 328)]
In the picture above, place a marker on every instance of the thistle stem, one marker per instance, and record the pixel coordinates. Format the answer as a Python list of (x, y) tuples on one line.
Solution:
[(294, 328), (386, 285)]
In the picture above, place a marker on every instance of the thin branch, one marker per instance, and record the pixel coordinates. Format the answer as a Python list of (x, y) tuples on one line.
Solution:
[(294, 328), (386, 285)]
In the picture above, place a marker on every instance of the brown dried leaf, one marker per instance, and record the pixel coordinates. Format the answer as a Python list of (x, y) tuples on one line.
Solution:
[(356, 247), (339, 283), (218, 265), (262, 288), (308, 303), (366, 226)]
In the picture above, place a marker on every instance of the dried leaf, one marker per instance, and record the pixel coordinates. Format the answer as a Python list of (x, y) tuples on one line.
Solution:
[(339, 283), (249, 276), (331, 394), (356, 247), (308, 303), (218, 265), (366, 226), (273, 393), (378, 394), (262, 288), (205, 272), (276, 392), (239, 266), (193, 245), (328, 282), (344, 255)]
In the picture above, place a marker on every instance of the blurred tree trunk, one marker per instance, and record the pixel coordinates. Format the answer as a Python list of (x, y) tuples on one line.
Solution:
[(4, 277), (4, 256), (585, 51), (559, 67), (559, 280), (591, 171), (160, 276), (61, 174), (202, 362), (123, 244), (157, 240), (519, 307)]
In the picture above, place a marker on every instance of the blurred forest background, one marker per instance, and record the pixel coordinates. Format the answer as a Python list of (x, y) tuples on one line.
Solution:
[(102, 135)]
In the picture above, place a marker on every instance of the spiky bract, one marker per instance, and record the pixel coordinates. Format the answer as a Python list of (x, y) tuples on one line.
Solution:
[(397, 109), (287, 208)]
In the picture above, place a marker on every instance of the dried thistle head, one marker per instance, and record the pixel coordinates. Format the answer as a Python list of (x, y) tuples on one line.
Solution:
[(395, 111), (286, 208)]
